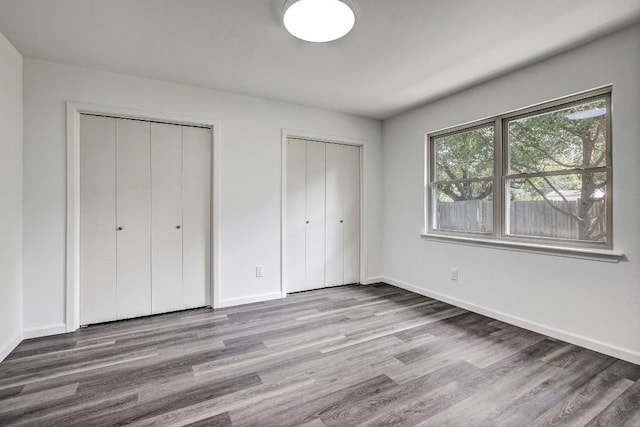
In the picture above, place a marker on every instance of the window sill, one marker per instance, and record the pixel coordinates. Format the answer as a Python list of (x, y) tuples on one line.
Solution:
[(604, 255)]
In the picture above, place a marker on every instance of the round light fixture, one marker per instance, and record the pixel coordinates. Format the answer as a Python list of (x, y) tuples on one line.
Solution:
[(319, 20)]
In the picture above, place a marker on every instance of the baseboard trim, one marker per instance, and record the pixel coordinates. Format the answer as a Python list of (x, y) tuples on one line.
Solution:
[(582, 341), (372, 280), (43, 331), (4, 352), (248, 300)]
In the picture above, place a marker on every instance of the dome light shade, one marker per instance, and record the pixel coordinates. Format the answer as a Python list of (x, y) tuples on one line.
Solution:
[(319, 20)]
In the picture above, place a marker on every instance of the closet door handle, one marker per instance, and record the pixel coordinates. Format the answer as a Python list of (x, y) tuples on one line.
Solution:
[(178, 227), (119, 228), (341, 221), (307, 222)]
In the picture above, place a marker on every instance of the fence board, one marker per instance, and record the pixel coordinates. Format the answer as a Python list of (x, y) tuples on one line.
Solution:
[(528, 218)]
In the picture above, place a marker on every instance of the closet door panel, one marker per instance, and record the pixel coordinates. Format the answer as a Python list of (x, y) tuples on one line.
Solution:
[(97, 219), (334, 240), (315, 213), (166, 217), (296, 226), (196, 217), (351, 188), (133, 185)]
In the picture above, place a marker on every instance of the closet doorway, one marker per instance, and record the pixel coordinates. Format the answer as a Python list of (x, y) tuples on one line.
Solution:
[(141, 228), (322, 202)]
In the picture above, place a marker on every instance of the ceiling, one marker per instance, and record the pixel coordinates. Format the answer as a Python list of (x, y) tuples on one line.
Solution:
[(401, 53)]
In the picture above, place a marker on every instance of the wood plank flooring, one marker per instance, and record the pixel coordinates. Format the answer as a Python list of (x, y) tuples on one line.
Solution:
[(354, 355)]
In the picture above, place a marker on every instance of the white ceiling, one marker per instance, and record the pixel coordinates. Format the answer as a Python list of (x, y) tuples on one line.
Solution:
[(401, 53)]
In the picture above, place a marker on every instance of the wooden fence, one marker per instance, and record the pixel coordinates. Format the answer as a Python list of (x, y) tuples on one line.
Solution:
[(528, 218)]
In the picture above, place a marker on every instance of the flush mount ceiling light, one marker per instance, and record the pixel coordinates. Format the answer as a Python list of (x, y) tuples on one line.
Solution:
[(319, 20)]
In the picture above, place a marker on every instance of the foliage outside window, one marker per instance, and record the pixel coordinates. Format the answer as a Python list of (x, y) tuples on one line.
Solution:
[(464, 180), (541, 174)]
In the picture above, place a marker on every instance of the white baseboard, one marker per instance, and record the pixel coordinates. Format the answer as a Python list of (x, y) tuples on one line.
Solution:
[(248, 300), (375, 279), (582, 341), (43, 331), (4, 352)]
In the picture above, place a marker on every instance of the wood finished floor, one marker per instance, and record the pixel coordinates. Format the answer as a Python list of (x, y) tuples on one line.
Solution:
[(354, 355)]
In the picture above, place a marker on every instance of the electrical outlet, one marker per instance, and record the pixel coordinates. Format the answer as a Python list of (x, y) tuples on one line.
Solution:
[(453, 273), (259, 270)]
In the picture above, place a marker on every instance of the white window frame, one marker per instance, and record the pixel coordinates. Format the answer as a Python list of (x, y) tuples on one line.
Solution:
[(499, 237)]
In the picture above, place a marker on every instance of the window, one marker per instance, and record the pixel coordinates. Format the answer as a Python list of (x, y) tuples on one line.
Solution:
[(463, 184), (538, 175)]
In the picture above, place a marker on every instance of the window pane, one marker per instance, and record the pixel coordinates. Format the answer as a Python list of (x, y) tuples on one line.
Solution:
[(568, 138), (563, 207), (465, 155), (464, 206)]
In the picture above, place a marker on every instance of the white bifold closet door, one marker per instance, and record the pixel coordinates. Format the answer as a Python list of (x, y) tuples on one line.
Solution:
[(145, 216), (342, 214), (334, 250), (350, 192), (323, 214), (180, 216), (133, 204), (296, 214), (166, 217), (196, 216), (315, 214), (98, 294)]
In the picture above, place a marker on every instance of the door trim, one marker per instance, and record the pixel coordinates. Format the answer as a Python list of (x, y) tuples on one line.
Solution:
[(74, 110), (332, 139)]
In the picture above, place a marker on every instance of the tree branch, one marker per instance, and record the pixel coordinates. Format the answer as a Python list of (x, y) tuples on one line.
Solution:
[(455, 197), (564, 199), (549, 201), (554, 160), (599, 159), (487, 190), (446, 170), (597, 220)]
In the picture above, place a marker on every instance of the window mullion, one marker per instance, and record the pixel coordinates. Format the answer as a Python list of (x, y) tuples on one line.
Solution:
[(609, 164), (429, 178), (457, 181), (498, 186), (560, 172)]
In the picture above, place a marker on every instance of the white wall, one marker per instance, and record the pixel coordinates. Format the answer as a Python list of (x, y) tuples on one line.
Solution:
[(250, 138), (588, 302), (11, 197)]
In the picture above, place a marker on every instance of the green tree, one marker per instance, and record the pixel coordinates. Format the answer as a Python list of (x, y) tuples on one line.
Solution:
[(461, 158), (568, 140)]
